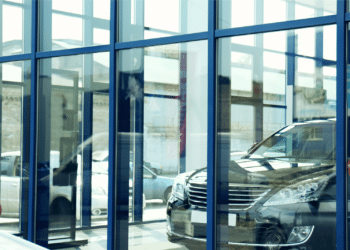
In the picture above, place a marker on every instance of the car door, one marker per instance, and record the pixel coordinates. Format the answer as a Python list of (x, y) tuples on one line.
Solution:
[(5, 182), (9, 185), (150, 185), (14, 186)]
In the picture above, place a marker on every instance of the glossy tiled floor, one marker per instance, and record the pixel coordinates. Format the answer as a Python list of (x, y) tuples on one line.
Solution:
[(150, 236)]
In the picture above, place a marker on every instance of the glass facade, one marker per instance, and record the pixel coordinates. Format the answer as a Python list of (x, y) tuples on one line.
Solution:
[(15, 114), (274, 192), (144, 124), (233, 14), (73, 24), (162, 126), (147, 19), (15, 27), (73, 105)]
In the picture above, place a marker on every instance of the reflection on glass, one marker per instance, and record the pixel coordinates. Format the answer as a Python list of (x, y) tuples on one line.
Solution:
[(163, 130), (15, 28), (15, 91), (238, 14), (315, 73), (73, 95), (73, 24), (146, 19), (274, 120), (242, 121), (75, 7), (276, 189)]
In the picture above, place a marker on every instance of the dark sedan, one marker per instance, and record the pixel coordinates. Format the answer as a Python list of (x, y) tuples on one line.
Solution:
[(281, 194)]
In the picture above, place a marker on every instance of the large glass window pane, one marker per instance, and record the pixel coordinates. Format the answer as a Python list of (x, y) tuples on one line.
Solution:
[(15, 27), (276, 146), (162, 138), (14, 146), (73, 24), (73, 112), (315, 73), (234, 14), (146, 19)]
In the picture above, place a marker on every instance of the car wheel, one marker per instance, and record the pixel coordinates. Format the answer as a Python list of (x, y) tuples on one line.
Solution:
[(167, 194), (272, 236), (60, 213), (96, 212), (154, 171)]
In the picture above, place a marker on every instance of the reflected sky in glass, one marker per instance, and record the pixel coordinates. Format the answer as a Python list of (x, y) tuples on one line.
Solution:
[(16, 27), (250, 12), (73, 24), (146, 19)]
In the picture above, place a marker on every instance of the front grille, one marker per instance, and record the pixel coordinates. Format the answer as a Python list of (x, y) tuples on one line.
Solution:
[(241, 196)]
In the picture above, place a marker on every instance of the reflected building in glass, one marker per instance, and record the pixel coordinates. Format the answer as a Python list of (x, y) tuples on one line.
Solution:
[(190, 124)]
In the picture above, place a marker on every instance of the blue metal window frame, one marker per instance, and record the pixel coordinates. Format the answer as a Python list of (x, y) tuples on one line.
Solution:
[(341, 129), (33, 124), (112, 229), (211, 35), (212, 131)]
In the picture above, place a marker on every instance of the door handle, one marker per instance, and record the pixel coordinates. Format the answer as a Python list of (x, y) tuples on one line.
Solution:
[(14, 184)]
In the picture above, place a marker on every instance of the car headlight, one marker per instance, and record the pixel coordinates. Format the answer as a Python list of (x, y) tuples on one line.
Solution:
[(305, 191), (179, 187), (96, 190)]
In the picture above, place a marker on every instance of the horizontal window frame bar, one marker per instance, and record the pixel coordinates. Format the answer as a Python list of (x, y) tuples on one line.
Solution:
[(14, 58), (14, 4), (250, 50), (280, 26), (307, 74), (162, 41), (173, 33), (323, 60), (265, 105), (72, 52), (162, 96), (276, 106), (11, 84), (241, 100), (97, 21)]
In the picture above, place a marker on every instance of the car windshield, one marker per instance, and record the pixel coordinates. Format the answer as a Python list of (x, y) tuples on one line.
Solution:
[(304, 142)]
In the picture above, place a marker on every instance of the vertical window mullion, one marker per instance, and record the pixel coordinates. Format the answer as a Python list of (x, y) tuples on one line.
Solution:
[(341, 151), (211, 174), (33, 126), (88, 120), (112, 230)]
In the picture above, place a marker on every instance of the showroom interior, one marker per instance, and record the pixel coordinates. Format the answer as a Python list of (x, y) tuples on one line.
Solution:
[(182, 124)]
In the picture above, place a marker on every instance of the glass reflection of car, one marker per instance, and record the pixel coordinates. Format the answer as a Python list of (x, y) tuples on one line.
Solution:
[(10, 184), (60, 196), (154, 185), (154, 167), (281, 194), (102, 156), (100, 191)]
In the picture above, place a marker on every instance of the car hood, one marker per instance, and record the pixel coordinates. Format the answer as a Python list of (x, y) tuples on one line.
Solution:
[(268, 172), (166, 180)]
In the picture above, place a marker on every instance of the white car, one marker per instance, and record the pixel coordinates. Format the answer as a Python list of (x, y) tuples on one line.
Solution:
[(60, 196)]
